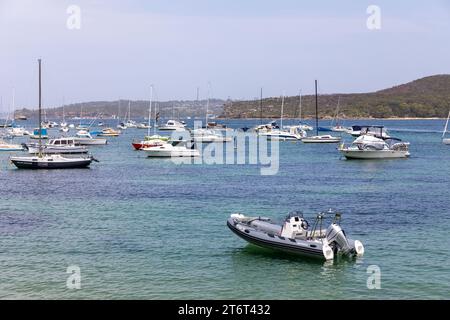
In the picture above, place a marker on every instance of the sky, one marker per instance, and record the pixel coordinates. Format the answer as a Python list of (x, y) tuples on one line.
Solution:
[(238, 46)]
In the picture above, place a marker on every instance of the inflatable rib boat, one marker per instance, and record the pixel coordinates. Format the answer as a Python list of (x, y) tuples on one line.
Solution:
[(296, 236)]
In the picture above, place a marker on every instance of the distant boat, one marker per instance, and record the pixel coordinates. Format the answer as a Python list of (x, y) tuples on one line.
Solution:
[(172, 125), (4, 146), (446, 140), (84, 138), (320, 138), (109, 132), (371, 147), (172, 149), (21, 118), (57, 146)]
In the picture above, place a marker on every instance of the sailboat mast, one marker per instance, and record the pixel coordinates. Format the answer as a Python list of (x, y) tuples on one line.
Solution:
[(446, 126), (317, 113), (64, 102), (150, 110), (207, 107), (40, 106), (260, 106), (129, 110), (282, 110), (300, 106)]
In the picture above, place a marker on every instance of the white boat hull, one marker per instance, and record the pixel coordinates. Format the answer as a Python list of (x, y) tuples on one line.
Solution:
[(163, 152), (446, 141), (374, 154), (90, 142), (321, 139)]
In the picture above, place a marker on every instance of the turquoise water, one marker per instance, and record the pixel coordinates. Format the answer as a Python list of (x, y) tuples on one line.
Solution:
[(144, 228)]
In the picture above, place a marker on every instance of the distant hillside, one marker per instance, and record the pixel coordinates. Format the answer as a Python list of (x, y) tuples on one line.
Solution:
[(139, 109), (424, 98)]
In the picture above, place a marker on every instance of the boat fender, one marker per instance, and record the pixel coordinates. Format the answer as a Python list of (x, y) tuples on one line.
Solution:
[(327, 251)]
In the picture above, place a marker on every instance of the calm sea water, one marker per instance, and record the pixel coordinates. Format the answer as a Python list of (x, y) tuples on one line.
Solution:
[(150, 229)]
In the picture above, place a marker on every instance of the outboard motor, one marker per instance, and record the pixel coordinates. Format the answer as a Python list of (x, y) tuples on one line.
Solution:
[(336, 236)]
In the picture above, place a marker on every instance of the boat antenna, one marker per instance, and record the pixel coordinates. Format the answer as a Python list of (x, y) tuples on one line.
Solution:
[(317, 114), (40, 111), (150, 110)]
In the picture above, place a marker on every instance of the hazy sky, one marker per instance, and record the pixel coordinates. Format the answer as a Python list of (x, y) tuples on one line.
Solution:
[(237, 45)]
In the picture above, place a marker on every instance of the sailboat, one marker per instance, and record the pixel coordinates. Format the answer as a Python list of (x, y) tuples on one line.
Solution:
[(63, 124), (301, 125), (280, 134), (320, 138), (205, 135), (149, 141), (48, 161), (130, 123), (446, 140), (335, 126)]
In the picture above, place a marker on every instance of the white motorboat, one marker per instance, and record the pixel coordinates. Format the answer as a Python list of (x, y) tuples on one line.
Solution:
[(4, 146), (321, 139), (172, 149), (209, 136), (84, 138), (371, 147), (305, 127), (122, 126), (143, 125), (295, 235), (18, 132), (64, 129), (266, 127), (444, 139), (172, 125), (292, 133), (71, 126), (57, 146)]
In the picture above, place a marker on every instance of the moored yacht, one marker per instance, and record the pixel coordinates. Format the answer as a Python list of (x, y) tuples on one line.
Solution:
[(172, 149), (209, 136), (292, 133), (371, 147), (172, 125), (4, 146), (320, 138), (84, 138), (57, 146), (48, 161)]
